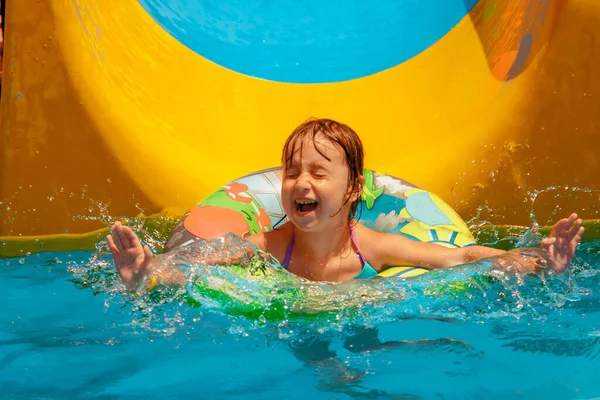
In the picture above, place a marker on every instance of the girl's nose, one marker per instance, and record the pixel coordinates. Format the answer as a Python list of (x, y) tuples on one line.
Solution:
[(303, 181)]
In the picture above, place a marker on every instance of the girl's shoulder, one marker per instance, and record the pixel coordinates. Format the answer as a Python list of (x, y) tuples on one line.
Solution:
[(368, 241), (365, 233), (274, 242), (376, 246)]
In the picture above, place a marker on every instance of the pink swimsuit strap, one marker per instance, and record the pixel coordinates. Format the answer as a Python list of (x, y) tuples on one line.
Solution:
[(363, 260), (288, 255)]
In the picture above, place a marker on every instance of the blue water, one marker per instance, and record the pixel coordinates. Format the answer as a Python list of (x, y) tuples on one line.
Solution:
[(308, 41), (69, 331)]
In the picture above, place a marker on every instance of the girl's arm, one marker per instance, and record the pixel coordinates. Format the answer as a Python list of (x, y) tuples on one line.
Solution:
[(139, 268), (167, 269), (395, 249), (556, 251)]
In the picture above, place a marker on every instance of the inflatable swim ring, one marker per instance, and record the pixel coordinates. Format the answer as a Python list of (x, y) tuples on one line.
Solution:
[(252, 204)]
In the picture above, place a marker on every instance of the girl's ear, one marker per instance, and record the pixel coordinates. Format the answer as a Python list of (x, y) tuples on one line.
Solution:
[(357, 191)]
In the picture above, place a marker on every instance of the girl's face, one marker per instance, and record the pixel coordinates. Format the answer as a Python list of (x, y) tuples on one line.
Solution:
[(315, 190)]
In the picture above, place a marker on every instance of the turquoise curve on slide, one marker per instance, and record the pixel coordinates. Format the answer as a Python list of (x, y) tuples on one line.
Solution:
[(308, 41)]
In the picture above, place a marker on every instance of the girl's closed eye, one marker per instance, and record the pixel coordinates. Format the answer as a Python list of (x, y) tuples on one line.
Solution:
[(291, 172), (319, 172)]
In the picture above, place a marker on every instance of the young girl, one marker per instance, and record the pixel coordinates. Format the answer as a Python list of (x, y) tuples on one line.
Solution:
[(321, 187)]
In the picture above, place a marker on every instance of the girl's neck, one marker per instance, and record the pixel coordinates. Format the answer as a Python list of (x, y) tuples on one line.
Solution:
[(322, 245)]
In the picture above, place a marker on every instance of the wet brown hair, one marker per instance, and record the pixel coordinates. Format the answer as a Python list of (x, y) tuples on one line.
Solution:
[(342, 136)]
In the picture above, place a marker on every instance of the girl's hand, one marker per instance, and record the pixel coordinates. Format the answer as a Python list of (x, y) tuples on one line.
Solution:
[(131, 258), (558, 249)]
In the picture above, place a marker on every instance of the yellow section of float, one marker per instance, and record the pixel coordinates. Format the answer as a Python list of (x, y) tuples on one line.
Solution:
[(104, 113)]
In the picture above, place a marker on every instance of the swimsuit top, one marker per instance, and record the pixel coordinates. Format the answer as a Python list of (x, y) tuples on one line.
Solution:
[(367, 271)]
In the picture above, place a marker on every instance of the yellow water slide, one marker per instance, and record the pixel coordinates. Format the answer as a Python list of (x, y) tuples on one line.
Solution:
[(116, 108)]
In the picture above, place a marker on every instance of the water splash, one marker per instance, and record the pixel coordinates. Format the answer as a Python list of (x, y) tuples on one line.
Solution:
[(266, 296)]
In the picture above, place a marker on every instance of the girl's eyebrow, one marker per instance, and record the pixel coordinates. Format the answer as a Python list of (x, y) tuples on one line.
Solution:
[(319, 165)]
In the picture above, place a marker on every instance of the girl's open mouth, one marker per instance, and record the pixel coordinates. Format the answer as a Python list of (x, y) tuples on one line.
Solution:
[(305, 206)]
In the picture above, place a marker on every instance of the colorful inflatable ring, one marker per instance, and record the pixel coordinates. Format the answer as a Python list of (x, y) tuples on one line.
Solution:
[(252, 204)]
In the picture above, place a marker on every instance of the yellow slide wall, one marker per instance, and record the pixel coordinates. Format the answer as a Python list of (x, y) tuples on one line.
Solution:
[(104, 113)]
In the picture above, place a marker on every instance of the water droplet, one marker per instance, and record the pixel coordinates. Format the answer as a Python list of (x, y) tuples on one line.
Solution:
[(22, 261), (108, 180)]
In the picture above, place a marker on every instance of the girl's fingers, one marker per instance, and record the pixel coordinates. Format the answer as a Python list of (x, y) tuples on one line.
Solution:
[(574, 230), (577, 238), (579, 235), (115, 236), (552, 252), (564, 228), (558, 228), (569, 224), (112, 247), (148, 252), (547, 242), (132, 238), (123, 237)]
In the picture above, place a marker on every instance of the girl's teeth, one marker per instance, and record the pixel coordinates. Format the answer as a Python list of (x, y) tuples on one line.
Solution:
[(306, 205)]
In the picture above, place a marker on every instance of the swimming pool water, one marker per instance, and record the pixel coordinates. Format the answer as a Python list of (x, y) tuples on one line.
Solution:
[(68, 331)]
